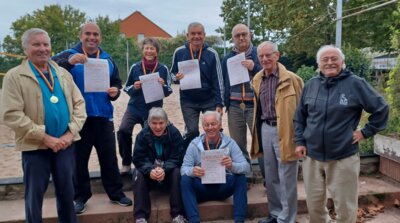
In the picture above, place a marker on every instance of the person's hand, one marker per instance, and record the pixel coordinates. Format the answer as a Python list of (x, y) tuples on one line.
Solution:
[(301, 151), (66, 139), (249, 64), (112, 92), (157, 174), (137, 85), (198, 171), (357, 136), (53, 143), (219, 110), (161, 81), (227, 162), (77, 58), (179, 76)]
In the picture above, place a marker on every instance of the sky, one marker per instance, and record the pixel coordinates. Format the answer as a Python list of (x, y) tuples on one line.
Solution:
[(171, 15)]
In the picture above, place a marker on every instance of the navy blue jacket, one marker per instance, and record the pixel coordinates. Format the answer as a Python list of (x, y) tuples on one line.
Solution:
[(330, 110), (212, 83), (144, 153), (235, 91), (98, 104), (137, 105)]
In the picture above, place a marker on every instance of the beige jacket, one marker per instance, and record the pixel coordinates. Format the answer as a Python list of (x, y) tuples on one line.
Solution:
[(22, 106), (287, 97)]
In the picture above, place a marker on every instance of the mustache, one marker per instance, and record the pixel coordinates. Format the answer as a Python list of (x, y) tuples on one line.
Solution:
[(330, 66)]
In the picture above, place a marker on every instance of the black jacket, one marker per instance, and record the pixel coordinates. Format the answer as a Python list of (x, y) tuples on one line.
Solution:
[(144, 153), (330, 110)]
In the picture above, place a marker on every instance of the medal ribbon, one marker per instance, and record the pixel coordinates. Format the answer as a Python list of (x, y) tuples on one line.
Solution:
[(243, 92), (191, 52), (144, 69), (48, 84), (97, 56), (216, 145)]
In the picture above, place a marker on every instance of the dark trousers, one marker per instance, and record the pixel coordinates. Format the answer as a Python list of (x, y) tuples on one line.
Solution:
[(97, 132), (142, 184), (37, 166), (124, 136), (191, 114), (193, 191)]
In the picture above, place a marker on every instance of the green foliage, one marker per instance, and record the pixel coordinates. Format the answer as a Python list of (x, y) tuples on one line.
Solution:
[(357, 62), (366, 146), (393, 97), (306, 73)]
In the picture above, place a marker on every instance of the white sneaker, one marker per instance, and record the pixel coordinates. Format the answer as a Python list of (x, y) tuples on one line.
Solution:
[(179, 219), (125, 169), (141, 220)]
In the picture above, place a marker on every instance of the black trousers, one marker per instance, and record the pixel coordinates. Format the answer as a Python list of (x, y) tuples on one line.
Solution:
[(142, 184), (97, 132)]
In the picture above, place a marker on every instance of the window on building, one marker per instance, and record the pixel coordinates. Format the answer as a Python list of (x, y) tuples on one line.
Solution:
[(140, 37)]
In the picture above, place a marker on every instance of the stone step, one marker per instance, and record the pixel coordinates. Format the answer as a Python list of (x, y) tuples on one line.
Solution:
[(100, 210)]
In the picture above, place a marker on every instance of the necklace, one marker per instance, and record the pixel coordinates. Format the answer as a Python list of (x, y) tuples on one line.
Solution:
[(191, 52), (144, 68), (97, 53), (216, 145), (49, 84)]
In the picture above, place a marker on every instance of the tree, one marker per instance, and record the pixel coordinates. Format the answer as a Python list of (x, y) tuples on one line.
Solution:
[(61, 24)]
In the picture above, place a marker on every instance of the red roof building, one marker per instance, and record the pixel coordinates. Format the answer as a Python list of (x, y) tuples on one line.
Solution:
[(139, 27)]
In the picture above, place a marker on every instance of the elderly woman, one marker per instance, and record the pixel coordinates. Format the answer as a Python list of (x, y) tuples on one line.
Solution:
[(158, 157), (138, 110), (46, 110)]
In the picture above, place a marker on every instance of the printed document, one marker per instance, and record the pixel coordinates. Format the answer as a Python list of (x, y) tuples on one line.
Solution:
[(152, 89), (191, 70), (237, 72), (211, 163), (96, 75)]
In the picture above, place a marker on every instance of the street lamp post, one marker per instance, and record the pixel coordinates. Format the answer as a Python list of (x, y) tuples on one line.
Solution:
[(227, 17)]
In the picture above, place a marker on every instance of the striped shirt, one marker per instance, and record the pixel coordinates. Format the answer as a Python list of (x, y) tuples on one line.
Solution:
[(267, 95)]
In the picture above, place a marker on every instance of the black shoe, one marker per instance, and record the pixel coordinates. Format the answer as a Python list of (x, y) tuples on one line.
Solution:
[(80, 207), (268, 220), (123, 201)]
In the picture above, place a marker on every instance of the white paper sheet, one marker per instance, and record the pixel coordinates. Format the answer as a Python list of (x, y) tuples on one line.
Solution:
[(152, 89), (191, 70), (96, 75), (237, 72), (214, 170)]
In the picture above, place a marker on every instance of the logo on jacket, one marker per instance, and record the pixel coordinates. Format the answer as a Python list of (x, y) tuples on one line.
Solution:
[(343, 99)]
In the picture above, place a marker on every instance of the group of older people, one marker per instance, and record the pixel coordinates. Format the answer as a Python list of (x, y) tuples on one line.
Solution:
[(47, 104)]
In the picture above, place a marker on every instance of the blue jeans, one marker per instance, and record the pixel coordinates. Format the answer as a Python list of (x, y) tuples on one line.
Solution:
[(37, 166), (191, 114), (193, 191)]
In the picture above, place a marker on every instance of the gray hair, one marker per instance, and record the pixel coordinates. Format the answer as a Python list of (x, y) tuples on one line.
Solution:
[(88, 23), (157, 113), (326, 47), (208, 113), (151, 41), (29, 33), (240, 25), (268, 43), (195, 24)]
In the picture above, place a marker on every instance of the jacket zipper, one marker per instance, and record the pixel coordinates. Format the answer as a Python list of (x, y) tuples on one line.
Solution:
[(323, 130)]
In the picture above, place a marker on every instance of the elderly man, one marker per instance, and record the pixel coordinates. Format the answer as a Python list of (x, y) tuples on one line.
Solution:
[(192, 170), (98, 130), (158, 157), (210, 96), (277, 93), (45, 109), (239, 98), (327, 137)]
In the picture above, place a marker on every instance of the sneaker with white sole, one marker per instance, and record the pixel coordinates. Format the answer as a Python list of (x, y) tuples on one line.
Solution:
[(125, 169), (141, 220), (124, 201), (179, 219), (80, 207)]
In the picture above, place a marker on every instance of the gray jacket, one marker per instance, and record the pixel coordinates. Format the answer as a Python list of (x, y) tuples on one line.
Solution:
[(330, 110), (193, 156)]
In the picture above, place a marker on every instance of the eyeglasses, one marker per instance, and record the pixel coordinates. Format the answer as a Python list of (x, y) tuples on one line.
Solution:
[(238, 35), (267, 55), (332, 59)]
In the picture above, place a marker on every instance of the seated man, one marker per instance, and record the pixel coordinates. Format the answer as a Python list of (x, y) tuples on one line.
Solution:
[(236, 169), (157, 157)]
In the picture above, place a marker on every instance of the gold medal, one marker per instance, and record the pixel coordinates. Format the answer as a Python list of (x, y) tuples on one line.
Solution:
[(53, 99), (242, 106)]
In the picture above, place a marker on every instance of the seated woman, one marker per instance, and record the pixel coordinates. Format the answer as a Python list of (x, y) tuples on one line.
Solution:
[(157, 156), (138, 110)]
